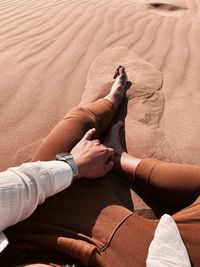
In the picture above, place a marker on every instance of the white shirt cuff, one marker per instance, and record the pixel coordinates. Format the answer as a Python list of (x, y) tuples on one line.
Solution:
[(61, 172)]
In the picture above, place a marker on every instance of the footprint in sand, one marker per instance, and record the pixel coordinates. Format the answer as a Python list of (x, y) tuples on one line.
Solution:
[(145, 106), (171, 8)]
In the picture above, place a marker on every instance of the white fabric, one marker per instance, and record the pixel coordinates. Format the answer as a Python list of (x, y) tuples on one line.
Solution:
[(3, 242), (167, 248), (23, 188)]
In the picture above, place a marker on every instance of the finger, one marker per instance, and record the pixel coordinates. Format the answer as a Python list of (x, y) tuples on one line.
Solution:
[(89, 134), (96, 141), (110, 152), (108, 144), (109, 166), (103, 146)]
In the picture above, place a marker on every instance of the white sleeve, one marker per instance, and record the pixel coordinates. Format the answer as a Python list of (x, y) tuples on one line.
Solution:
[(23, 188)]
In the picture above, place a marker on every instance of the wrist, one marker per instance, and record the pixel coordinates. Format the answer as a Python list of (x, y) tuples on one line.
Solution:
[(80, 168), (68, 158), (129, 164)]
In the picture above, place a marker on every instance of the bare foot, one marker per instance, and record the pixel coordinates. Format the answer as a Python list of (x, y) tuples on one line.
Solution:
[(112, 139), (118, 89), (123, 162)]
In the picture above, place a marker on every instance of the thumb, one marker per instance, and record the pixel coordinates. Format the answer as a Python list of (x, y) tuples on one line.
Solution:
[(89, 134)]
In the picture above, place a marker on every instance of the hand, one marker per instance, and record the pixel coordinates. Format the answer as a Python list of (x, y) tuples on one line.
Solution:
[(92, 158)]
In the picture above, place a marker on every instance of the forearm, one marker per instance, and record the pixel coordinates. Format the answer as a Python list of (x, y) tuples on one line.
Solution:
[(23, 188)]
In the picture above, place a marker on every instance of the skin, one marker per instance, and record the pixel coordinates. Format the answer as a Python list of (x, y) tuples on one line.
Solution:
[(123, 162), (92, 158), (118, 89)]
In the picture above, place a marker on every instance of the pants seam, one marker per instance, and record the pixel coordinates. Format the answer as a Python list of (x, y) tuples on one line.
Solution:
[(113, 233)]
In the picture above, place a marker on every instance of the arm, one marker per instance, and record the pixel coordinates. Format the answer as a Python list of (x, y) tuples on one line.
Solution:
[(23, 188)]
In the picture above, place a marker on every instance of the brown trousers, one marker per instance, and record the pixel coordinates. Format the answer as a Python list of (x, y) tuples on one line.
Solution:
[(88, 222)]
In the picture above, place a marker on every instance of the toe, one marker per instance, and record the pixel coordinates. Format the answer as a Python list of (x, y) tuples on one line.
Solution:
[(121, 69), (116, 73), (119, 72), (122, 74)]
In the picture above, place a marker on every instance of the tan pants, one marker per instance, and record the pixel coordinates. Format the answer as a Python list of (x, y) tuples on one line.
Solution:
[(88, 222)]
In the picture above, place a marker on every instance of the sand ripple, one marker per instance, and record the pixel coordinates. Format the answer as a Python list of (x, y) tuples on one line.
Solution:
[(47, 49)]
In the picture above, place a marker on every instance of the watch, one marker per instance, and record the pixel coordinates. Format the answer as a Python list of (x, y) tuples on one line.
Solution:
[(68, 158)]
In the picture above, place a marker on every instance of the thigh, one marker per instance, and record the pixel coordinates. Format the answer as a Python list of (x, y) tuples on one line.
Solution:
[(188, 222), (129, 245), (77, 221)]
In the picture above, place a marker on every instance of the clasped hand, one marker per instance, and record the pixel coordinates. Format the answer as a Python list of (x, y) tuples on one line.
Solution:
[(92, 158)]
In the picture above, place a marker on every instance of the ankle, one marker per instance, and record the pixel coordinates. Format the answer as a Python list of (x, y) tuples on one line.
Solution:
[(128, 165), (115, 98)]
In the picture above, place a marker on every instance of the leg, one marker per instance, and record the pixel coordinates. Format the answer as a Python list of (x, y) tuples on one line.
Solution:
[(175, 185), (97, 115), (129, 245), (82, 218), (188, 222)]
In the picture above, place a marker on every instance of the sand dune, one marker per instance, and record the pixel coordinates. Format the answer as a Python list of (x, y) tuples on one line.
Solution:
[(51, 51)]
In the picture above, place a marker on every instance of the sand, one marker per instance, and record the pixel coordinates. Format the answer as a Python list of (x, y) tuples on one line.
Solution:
[(54, 54)]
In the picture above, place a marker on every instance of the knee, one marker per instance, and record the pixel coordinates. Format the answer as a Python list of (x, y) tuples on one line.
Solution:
[(82, 113), (87, 118)]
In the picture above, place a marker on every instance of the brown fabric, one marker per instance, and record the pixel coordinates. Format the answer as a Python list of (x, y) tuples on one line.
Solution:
[(84, 217), (129, 246), (162, 179), (78, 121), (88, 222), (188, 222), (177, 186)]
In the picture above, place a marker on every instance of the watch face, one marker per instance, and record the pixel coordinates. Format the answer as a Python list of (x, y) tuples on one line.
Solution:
[(63, 156)]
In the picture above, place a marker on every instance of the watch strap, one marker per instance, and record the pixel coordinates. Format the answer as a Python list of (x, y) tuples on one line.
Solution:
[(68, 158)]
